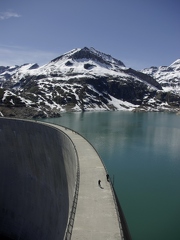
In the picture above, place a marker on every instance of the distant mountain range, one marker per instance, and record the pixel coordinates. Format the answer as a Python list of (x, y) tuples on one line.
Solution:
[(168, 77), (86, 80)]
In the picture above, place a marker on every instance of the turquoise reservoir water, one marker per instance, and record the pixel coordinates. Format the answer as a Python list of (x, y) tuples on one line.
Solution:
[(141, 152)]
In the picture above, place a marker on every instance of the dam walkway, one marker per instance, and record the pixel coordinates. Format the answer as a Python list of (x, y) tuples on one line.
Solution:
[(96, 216)]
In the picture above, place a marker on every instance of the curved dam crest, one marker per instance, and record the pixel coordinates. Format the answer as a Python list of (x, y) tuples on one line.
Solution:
[(38, 167), (41, 196)]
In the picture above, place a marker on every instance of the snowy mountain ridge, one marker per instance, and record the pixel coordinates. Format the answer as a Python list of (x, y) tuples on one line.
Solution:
[(167, 76), (79, 62), (15, 72), (89, 53), (82, 80)]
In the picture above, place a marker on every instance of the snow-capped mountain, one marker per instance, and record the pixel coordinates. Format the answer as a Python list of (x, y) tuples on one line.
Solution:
[(77, 64), (167, 76), (14, 72), (80, 80)]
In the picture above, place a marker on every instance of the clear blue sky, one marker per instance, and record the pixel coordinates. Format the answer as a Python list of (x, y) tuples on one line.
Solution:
[(141, 33)]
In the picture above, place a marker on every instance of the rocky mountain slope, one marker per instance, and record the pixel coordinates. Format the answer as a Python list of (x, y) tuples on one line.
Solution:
[(167, 76), (80, 80)]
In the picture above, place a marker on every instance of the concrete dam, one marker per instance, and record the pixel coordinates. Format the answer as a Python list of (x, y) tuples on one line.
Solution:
[(38, 167), (42, 194)]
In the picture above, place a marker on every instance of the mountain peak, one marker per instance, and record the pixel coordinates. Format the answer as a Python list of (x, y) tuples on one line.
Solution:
[(88, 54), (176, 64), (106, 57), (81, 54), (87, 79)]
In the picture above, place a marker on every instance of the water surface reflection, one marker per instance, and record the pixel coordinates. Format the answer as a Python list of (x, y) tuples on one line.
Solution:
[(141, 151)]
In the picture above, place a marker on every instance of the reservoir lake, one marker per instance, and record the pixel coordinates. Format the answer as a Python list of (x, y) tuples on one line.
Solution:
[(141, 152)]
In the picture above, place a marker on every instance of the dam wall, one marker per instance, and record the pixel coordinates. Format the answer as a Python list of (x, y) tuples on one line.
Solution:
[(38, 168)]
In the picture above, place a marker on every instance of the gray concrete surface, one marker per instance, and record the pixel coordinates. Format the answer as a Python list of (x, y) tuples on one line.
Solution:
[(38, 166), (96, 216)]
